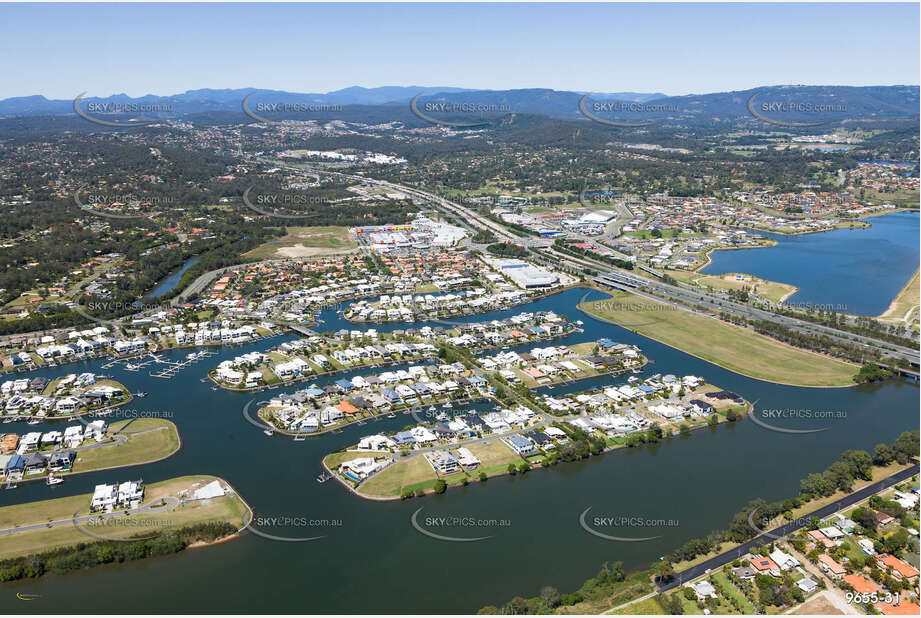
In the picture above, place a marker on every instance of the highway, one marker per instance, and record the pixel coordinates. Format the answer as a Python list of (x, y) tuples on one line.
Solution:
[(622, 279)]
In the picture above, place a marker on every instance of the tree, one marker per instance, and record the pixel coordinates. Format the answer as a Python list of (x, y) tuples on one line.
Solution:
[(663, 569), (516, 607), (440, 486), (550, 596)]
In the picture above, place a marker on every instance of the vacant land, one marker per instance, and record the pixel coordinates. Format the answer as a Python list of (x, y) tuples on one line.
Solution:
[(229, 508), (306, 242), (732, 347), (148, 439), (771, 290)]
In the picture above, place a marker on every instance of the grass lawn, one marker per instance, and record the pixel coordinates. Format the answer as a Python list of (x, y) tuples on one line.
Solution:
[(732, 347), (905, 198), (645, 607), (228, 508), (735, 593), (306, 242), (149, 439), (390, 482)]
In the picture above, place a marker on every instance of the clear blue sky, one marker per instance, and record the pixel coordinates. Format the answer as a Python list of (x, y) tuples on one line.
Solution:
[(60, 50)]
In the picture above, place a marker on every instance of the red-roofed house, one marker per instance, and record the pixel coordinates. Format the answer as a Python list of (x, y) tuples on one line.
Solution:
[(765, 565), (905, 608), (831, 567), (900, 569), (861, 584)]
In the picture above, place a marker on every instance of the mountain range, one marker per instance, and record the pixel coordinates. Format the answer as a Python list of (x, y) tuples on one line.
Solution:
[(865, 102)]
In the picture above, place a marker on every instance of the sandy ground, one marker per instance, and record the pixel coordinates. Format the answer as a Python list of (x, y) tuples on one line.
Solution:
[(299, 251), (825, 603)]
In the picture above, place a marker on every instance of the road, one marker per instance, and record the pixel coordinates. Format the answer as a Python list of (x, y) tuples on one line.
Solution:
[(771, 535), (171, 503)]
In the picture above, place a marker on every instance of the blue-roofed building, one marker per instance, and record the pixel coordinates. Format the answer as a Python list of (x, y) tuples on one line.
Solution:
[(313, 392), (646, 389), (403, 437), (344, 384), (15, 467), (605, 343), (521, 445), (391, 395), (538, 330)]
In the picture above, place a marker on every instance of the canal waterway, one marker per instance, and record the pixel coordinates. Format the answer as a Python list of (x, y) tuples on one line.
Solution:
[(376, 562)]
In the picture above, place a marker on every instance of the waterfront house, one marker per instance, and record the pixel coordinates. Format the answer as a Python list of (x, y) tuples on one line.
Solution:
[(61, 461), (442, 462), (467, 459), (36, 463), (15, 467), (104, 497), (521, 445)]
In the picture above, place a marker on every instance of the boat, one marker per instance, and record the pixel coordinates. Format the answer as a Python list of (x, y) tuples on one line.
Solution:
[(34, 421), (53, 480), (300, 437), (323, 477), (448, 404), (392, 415), (141, 394), (268, 432)]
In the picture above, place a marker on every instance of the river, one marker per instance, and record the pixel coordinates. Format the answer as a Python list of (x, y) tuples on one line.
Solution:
[(170, 283), (375, 562), (858, 271)]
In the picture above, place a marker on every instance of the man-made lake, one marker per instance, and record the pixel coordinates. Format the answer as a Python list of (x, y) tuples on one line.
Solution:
[(376, 562), (855, 271)]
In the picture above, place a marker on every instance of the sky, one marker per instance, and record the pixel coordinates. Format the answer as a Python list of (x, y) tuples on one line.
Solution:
[(61, 50)]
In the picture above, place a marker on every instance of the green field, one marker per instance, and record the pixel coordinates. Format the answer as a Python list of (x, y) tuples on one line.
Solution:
[(732, 347), (149, 439), (229, 508)]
